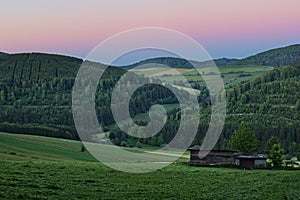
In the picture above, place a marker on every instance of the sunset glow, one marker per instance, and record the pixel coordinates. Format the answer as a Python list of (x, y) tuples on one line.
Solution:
[(225, 28)]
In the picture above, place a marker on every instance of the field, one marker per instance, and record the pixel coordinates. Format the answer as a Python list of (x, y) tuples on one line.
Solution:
[(35, 167), (232, 75), (145, 116)]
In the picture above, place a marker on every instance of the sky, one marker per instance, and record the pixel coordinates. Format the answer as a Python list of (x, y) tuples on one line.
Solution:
[(225, 28)]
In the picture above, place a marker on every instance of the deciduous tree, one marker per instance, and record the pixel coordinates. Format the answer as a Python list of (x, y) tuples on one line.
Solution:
[(244, 140)]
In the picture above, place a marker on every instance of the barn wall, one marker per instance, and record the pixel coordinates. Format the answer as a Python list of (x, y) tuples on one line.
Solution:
[(213, 158)]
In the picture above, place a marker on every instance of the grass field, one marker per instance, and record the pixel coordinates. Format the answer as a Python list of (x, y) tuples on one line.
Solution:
[(145, 116), (29, 148), (47, 168), (232, 75)]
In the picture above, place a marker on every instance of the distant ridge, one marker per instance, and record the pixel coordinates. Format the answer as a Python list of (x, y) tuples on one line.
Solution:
[(275, 57), (180, 62), (282, 56), (168, 61), (224, 61)]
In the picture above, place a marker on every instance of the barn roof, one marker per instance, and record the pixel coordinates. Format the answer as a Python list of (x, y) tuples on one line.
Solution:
[(255, 157), (198, 149)]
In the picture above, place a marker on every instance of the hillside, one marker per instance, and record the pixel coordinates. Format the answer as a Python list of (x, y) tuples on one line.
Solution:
[(34, 148), (181, 63), (274, 57), (35, 94), (279, 87), (224, 61), (270, 104), (35, 98), (33, 167), (168, 61), (37, 67)]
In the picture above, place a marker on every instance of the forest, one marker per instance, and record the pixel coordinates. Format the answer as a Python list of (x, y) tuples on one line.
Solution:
[(35, 98)]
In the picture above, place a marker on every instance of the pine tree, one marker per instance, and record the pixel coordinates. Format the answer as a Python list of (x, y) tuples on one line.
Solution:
[(298, 105), (2, 97)]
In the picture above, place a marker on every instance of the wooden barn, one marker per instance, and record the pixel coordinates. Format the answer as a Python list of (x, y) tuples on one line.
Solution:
[(213, 157)]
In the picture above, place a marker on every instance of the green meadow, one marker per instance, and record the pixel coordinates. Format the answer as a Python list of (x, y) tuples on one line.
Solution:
[(34, 167), (232, 74)]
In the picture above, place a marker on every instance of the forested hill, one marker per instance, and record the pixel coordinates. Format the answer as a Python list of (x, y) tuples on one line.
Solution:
[(224, 61), (35, 98), (2, 53), (37, 67), (180, 63), (167, 61), (270, 104), (35, 94), (274, 57)]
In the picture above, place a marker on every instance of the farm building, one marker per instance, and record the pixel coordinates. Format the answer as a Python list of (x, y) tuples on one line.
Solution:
[(213, 157), (226, 157), (250, 162)]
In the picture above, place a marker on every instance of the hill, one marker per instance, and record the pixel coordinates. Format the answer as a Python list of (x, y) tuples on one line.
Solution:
[(168, 61), (274, 57), (35, 94), (35, 148), (224, 61), (37, 67), (270, 105), (35, 98), (2, 53), (180, 63)]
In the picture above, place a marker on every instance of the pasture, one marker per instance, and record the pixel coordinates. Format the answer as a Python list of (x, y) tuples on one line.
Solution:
[(35, 167), (232, 75)]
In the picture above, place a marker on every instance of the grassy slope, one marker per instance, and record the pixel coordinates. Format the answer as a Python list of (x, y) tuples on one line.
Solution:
[(33, 169), (27, 147), (145, 116), (50, 180), (232, 75)]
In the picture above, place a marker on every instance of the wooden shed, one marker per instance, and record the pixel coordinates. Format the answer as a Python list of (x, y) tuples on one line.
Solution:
[(250, 162), (213, 157)]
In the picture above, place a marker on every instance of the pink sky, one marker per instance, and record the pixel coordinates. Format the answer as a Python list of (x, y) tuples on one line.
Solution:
[(229, 28)]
